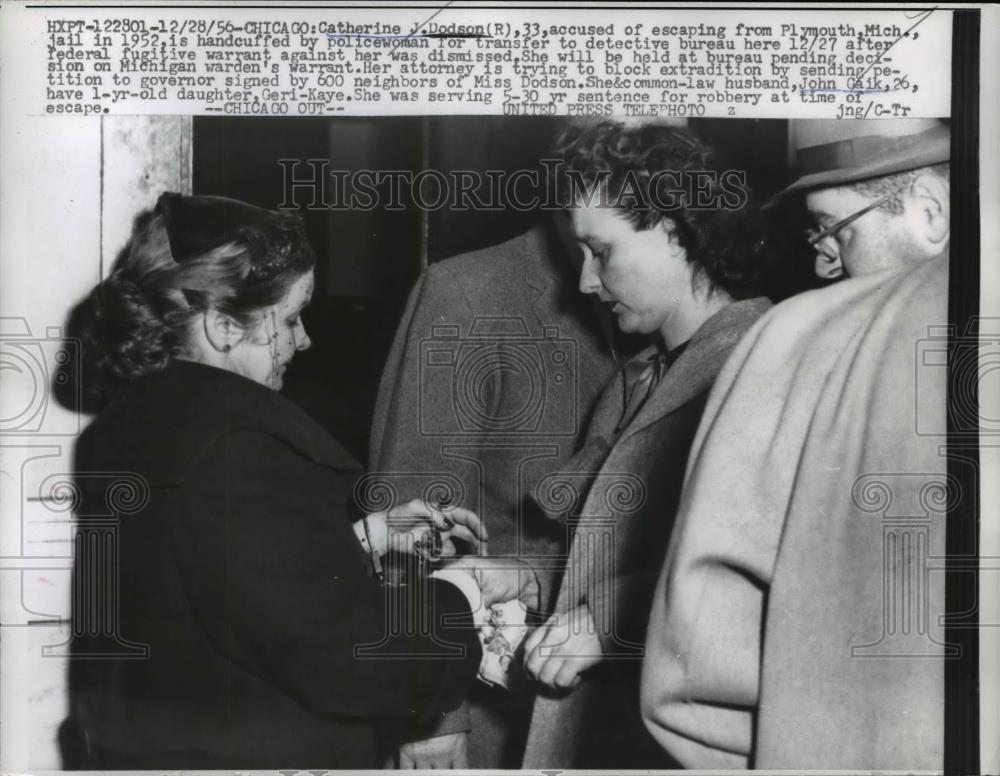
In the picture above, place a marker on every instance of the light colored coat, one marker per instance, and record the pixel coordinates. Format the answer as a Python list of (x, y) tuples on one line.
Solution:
[(796, 621), (631, 485)]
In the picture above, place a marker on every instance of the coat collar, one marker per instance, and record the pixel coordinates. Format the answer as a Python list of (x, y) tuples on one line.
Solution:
[(696, 368), (194, 404), (692, 374)]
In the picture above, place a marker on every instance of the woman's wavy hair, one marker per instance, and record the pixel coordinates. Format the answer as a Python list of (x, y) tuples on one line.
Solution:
[(655, 173), (139, 318)]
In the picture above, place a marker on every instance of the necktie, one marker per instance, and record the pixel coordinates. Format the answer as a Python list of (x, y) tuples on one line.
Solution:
[(641, 378)]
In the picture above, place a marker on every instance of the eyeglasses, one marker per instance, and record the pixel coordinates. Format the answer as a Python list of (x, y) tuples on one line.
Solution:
[(814, 238)]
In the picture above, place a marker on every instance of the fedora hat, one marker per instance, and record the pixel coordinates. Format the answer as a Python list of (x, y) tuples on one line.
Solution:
[(835, 153)]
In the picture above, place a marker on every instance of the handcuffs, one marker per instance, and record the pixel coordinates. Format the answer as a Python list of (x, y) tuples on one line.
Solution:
[(427, 548)]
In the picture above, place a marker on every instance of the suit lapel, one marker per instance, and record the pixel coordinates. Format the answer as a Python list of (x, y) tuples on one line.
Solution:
[(539, 278), (556, 283)]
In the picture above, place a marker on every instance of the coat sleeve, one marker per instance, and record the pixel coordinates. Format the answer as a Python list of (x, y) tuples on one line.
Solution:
[(620, 598), (276, 577)]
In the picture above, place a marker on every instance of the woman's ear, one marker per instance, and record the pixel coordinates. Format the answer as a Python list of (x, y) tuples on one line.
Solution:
[(670, 229), (221, 331)]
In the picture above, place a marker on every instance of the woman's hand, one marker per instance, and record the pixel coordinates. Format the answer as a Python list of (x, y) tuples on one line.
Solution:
[(563, 648), (418, 527), (440, 752), (501, 579)]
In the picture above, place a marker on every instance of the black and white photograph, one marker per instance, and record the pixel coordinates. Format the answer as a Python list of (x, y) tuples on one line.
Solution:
[(532, 388)]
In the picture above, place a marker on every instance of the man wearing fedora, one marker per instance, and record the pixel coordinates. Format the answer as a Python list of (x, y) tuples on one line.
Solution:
[(796, 622), (869, 195)]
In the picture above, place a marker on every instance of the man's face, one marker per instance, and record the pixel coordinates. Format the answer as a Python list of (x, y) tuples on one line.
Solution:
[(642, 275), (876, 241)]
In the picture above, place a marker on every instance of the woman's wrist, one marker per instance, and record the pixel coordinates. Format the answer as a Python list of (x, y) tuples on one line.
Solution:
[(373, 534)]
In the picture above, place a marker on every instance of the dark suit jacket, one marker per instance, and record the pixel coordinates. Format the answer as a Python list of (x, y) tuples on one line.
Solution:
[(239, 568), (629, 484)]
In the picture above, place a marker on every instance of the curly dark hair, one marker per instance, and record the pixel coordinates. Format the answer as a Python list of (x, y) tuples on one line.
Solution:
[(136, 320), (653, 173)]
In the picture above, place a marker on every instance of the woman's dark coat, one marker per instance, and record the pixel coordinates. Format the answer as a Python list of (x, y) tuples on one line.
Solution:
[(238, 569)]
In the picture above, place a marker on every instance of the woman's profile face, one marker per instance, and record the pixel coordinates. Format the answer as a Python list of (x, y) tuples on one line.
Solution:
[(264, 353), (642, 275)]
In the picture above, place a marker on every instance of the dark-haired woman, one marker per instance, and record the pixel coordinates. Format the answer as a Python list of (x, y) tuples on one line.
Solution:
[(234, 617), (671, 245)]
